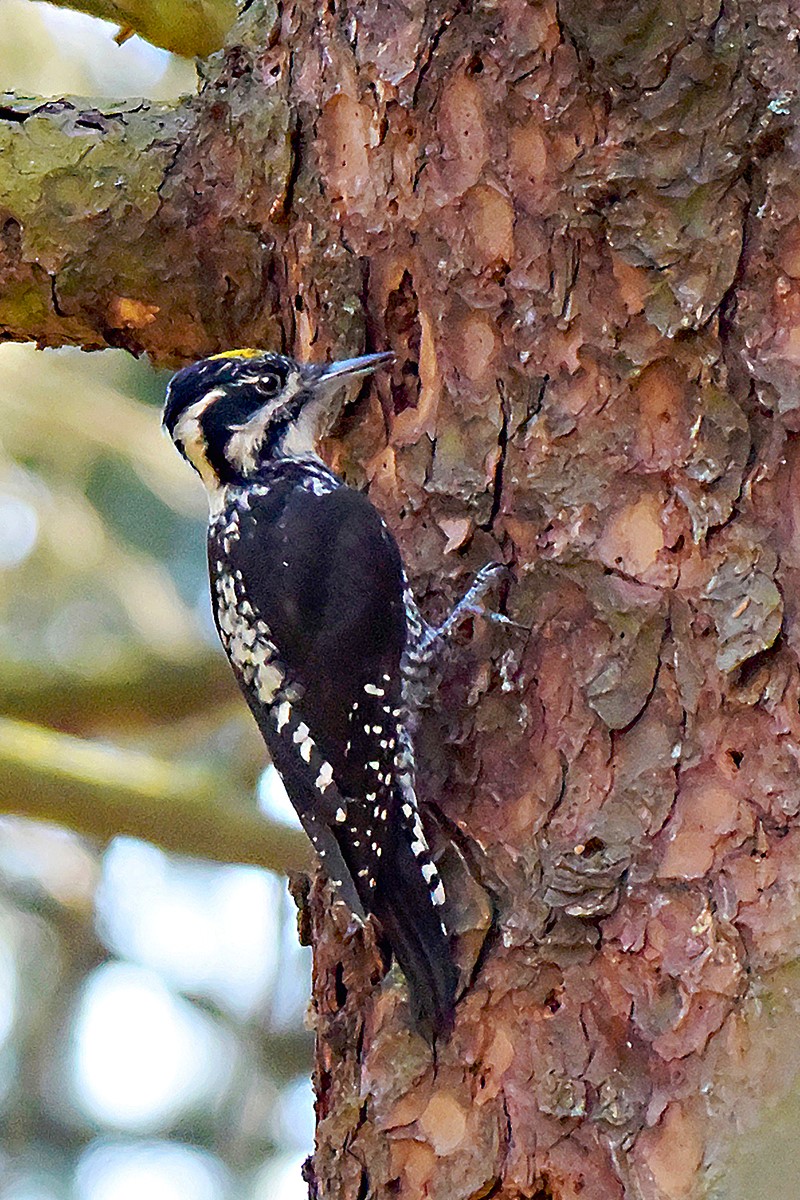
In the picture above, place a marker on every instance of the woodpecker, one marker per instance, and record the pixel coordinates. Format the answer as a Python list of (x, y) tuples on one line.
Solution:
[(312, 605)]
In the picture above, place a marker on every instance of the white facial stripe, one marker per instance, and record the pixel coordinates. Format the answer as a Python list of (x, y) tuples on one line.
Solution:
[(303, 433), (315, 420), (246, 440), (188, 434)]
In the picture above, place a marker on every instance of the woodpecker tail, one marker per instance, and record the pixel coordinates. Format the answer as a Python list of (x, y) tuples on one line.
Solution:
[(410, 920)]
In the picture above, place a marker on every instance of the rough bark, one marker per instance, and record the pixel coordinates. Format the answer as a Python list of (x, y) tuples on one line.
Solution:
[(579, 228)]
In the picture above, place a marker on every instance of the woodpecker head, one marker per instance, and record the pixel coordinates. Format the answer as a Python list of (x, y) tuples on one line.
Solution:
[(231, 413)]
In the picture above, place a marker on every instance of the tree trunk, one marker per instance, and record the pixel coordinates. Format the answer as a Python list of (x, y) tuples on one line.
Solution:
[(579, 229)]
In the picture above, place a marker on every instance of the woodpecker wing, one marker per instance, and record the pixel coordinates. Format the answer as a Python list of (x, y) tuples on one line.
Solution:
[(323, 574), (309, 588)]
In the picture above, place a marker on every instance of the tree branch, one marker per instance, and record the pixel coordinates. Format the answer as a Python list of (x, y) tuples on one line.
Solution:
[(144, 225), (104, 791), (193, 28), (144, 689)]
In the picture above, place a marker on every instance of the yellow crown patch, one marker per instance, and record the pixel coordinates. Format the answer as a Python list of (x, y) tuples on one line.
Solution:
[(249, 353)]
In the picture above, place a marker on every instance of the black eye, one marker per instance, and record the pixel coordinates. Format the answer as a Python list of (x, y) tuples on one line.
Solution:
[(269, 384)]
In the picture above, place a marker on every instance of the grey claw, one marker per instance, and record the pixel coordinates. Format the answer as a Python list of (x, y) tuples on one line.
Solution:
[(502, 619)]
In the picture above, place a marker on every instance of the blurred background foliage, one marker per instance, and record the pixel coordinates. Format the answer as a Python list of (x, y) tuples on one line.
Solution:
[(151, 1004)]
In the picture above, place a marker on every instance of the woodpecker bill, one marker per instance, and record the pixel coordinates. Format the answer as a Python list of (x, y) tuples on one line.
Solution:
[(313, 609)]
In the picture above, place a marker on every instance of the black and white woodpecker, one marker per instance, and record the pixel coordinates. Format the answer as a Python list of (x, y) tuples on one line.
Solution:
[(314, 611)]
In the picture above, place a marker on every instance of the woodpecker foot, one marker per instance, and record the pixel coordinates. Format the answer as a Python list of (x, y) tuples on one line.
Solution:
[(472, 603)]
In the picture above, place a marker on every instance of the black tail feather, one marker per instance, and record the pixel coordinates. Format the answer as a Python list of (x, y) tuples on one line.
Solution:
[(411, 923)]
